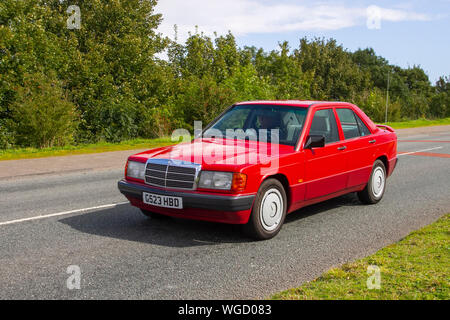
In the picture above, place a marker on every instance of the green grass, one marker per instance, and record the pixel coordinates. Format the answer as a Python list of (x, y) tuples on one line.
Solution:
[(419, 123), (417, 267), (26, 153)]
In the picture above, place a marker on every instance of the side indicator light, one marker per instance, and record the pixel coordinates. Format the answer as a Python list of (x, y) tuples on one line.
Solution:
[(239, 182)]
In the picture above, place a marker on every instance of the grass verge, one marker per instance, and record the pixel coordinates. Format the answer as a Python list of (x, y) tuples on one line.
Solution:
[(419, 123), (417, 267), (27, 153)]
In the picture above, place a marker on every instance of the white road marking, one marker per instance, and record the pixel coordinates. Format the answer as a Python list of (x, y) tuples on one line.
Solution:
[(111, 205), (429, 149)]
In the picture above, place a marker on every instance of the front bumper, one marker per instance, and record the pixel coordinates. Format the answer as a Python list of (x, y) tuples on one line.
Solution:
[(219, 208)]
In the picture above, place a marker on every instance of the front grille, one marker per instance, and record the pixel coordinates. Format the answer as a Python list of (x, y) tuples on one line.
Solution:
[(171, 173)]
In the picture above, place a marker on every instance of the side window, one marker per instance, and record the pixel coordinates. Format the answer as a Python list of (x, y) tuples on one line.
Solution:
[(324, 123), (348, 123), (362, 127)]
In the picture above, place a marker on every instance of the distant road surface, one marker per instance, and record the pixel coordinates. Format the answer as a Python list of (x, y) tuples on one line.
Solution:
[(67, 211)]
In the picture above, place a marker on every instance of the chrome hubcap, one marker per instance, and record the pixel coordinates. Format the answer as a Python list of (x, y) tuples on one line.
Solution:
[(378, 181), (271, 210)]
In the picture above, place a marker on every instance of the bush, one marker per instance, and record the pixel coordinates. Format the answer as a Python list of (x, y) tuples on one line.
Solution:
[(42, 114), (246, 85), (6, 137), (373, 103), (440, 105), (201, 99)]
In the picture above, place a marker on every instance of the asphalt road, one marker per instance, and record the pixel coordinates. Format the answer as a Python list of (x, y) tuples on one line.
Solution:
[(123, 255)]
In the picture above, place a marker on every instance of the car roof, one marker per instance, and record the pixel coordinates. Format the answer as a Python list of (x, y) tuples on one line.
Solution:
[(294, 103)]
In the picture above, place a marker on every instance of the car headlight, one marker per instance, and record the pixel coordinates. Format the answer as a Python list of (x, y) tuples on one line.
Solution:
[(136, 170), (215, 180), (222, 180)]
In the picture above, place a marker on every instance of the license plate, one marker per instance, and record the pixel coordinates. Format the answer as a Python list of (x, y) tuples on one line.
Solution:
[(162, 201)]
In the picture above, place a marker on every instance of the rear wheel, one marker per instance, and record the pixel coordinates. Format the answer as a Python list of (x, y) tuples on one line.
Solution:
[(376, 186), (268, 212), (153, 215)]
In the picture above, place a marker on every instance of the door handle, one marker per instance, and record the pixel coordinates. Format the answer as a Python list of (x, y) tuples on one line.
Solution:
[(372, 141), (342, 148)]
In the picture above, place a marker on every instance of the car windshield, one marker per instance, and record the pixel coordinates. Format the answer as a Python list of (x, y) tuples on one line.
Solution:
[(272, 123)]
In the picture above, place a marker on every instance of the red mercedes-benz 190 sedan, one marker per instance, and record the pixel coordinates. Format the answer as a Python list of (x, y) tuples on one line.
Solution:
[(261, 160)]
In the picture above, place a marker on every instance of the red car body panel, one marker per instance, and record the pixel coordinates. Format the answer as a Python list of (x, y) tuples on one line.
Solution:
[(309, 175)]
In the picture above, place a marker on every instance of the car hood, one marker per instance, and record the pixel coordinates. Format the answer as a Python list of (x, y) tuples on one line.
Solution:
[(219, 152)]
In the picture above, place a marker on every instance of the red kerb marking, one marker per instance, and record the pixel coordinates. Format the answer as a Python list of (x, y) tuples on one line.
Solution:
[(443, 141), (427, 154)]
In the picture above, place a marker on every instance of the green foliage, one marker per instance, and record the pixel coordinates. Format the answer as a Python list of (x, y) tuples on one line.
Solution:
[(110, 71), (108, 66), (283, 71), (440, 101), (42, 116), (200, 99), (247, 85), (6, 136), (374, 105), (334, 74)]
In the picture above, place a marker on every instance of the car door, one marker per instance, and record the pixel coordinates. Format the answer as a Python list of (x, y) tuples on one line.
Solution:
[(360, 146), (325, 167)]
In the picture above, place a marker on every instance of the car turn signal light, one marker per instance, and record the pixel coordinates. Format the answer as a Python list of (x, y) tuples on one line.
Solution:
[(239, 182)]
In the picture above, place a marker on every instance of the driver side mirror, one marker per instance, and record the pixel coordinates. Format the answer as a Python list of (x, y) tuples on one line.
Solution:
[(315, 141)]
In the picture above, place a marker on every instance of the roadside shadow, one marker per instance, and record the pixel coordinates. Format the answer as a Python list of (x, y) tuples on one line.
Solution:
[(348, 200), (127, 223)]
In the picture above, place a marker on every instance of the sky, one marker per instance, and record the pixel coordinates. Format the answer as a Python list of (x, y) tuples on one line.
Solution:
[(406, 33)]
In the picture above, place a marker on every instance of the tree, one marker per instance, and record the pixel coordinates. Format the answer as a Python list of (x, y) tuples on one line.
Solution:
[(334, 75), (42, 114), (115, 78), (440, 101)]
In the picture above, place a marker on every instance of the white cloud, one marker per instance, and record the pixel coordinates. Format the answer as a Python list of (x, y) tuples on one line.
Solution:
[(250, 16)]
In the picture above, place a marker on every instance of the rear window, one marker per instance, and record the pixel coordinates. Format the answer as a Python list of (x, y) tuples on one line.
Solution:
[(362, 127)]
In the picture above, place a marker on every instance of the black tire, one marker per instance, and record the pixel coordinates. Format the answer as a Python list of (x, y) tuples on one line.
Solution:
[(255, 227), (153, 215), (368, 196)]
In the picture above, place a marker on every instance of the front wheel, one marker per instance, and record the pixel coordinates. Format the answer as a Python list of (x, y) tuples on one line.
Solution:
[(374, 190), (268, 212)]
